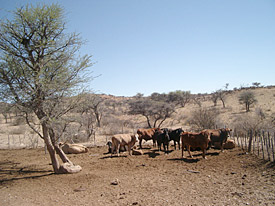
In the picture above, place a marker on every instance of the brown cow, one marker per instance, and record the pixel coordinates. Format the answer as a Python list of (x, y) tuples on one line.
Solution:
[(147, 134), (120, 140), (218, 135), (195, 140)]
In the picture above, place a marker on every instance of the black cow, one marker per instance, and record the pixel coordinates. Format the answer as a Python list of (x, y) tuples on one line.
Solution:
[(162, 137), (175, 136)]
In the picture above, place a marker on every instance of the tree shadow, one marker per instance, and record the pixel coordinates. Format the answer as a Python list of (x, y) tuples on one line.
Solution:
[(184, 159), (10, 171), (152, 153), (113, 156)]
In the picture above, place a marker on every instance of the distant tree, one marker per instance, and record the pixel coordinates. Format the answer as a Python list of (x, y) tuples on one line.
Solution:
[(203, 118), (221, 94), (139, 95), (247, 98), (5, 110), (158, 97), (91, 104), (179, 98), (256, 84), (155, 112), (41, 71), (215, 97)]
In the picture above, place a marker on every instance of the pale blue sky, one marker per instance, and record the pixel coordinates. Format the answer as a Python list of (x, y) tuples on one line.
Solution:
[(160, 46)]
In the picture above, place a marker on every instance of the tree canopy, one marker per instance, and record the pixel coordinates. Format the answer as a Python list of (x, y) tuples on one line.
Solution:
[(40, 67)]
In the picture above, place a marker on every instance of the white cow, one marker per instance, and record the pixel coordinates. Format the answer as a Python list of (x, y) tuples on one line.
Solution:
[(120, 140), (73, 148)]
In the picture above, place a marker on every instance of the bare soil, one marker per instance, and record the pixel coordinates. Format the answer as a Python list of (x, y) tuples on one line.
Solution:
[(229, 178)]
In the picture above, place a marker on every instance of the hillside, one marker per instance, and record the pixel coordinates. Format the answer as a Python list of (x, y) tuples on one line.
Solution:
[(115, 119)]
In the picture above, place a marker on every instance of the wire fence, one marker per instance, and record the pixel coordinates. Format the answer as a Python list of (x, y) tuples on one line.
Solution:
[(260, 143)]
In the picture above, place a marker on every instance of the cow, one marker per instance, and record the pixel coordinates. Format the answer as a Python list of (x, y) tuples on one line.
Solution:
[(175, 136), (218, 135), (195, 140), (162, 137), (147, 134), (110, 145), (73, 148), (120, 140), (229, 144)]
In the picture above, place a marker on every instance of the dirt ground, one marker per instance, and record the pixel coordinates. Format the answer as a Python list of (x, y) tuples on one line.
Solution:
[(229, 178)]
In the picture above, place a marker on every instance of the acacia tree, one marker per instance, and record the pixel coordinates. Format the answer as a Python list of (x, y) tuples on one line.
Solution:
[(247, 98), (179, 97), (40, 69), (155, 112)]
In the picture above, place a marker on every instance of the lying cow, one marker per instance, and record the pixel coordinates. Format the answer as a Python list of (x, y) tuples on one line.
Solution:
[(175, 136), (218, 136), (163, 138), (147, 134), (73, 148), (229, 144), (121, 140), (195, 140)]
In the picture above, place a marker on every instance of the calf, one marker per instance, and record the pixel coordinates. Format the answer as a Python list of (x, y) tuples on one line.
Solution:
[(120, 140), (195, 140), (162, 137), (175, 136)]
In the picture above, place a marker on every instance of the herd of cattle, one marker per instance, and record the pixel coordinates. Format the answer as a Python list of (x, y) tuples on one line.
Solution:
[(203, 140)]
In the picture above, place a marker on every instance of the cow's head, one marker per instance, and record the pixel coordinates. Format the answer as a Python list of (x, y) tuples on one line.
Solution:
[(165, 132), (225, 132), (206, 134), (179, 131)]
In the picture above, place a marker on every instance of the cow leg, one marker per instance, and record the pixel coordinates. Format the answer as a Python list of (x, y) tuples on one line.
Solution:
[(140, 143), (182, 147), (113, 149), (179, 144), (203, 153), (222, 145), (188, 148), (129, 149), (175, 144), (117, 149)]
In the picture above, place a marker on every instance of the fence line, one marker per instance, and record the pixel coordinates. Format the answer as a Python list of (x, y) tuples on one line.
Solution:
[(15, 141), (260, 143)]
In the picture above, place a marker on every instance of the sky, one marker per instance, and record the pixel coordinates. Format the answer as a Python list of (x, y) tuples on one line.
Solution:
[(147, 46)]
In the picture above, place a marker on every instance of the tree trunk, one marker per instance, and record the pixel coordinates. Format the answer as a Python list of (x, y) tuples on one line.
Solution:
[(223, 103), (50, 148), (68, 166)]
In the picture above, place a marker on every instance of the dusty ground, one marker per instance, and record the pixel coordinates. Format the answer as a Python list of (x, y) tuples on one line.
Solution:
[(230, 178)]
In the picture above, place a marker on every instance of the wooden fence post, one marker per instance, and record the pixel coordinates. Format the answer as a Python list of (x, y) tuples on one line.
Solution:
[(258, 143), (8, 141), (250, 135), (267, 146), (262, 140), (245, 145), (272, 147), (241, 140)]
